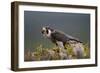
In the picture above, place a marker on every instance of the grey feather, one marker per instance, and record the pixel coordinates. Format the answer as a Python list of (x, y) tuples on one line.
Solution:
[(63, 37)]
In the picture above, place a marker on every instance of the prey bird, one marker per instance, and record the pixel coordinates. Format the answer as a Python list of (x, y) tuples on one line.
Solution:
[(60, 39)]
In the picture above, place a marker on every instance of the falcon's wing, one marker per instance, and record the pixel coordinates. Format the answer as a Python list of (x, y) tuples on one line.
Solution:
[(63, 37)]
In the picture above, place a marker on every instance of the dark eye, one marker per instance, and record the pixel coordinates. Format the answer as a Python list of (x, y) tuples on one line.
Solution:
[(47, 31)]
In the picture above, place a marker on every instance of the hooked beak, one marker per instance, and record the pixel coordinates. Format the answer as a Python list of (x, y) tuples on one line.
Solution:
[(42, 31)]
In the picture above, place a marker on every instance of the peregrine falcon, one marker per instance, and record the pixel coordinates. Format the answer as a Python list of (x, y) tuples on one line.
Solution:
[(61, 39)]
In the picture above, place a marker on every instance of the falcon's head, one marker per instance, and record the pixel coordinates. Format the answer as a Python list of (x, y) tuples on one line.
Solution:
[(46, 31)]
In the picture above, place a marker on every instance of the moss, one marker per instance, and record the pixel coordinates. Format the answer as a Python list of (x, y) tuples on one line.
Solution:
[(41, 53), (86, 51)]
